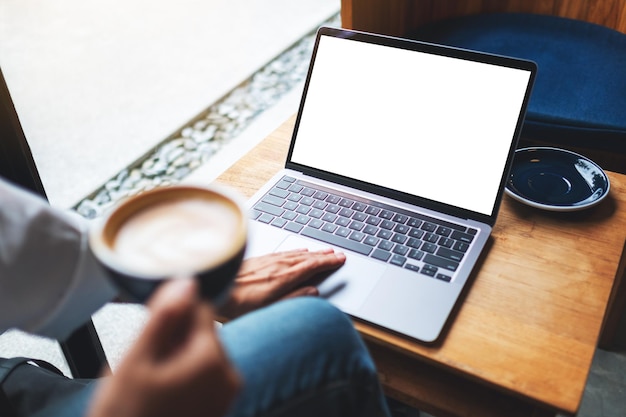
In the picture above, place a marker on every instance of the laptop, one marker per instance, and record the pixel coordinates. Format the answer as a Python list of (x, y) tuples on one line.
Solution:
[(398, 158)]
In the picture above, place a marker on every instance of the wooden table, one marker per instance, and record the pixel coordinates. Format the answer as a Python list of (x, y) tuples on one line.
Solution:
[(523, 338)]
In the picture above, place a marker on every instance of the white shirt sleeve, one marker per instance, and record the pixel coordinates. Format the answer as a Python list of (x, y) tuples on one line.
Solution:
[(50, 283)]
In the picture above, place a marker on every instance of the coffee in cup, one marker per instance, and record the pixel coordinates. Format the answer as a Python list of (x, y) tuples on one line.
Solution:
[(173, 232)]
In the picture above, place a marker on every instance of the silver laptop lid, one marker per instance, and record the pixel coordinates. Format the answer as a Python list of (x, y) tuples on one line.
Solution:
[(426, 124)]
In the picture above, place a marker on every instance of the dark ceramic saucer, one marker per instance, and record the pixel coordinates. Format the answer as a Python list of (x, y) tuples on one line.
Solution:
[(556, 179)]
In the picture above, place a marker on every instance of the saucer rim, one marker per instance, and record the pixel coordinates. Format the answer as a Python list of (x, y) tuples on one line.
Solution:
[(552, 207)]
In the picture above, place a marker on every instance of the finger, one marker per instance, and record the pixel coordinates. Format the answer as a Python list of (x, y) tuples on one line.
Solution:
[(201, 344), (200, 365), (253, 264), (284, 254), (299, 253), (325, 250), (202, 354), (307, 267), (316, 262), (173, 292), (170, 307), (283, 269), (304, 251), (324, 255), (291, 251)]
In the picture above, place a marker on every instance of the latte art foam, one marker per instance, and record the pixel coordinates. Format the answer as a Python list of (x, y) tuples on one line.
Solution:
[(177, 236)]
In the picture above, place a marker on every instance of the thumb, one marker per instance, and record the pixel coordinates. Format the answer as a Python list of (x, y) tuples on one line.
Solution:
[(171, 308)]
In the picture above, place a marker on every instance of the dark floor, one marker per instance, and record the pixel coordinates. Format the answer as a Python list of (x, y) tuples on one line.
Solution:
[(605, 394)]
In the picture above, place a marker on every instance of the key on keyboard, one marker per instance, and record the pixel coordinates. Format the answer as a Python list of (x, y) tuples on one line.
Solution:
[(417, 242)]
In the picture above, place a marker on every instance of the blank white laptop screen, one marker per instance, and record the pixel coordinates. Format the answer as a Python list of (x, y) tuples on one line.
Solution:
[(427, 125)]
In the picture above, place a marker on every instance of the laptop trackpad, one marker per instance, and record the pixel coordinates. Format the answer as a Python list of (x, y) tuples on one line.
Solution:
[(349, 286)]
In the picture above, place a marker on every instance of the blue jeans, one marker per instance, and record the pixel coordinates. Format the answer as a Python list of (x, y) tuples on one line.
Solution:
[(297, 358), (302, 357)]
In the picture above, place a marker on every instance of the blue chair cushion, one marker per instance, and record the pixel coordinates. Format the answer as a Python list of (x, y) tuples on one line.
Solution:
[(579, 97)]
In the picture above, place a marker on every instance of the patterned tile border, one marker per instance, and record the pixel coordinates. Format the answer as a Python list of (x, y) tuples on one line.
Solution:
[(195, 143)]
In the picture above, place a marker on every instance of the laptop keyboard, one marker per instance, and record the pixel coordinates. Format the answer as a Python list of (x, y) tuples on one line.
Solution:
[(405, 239)]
